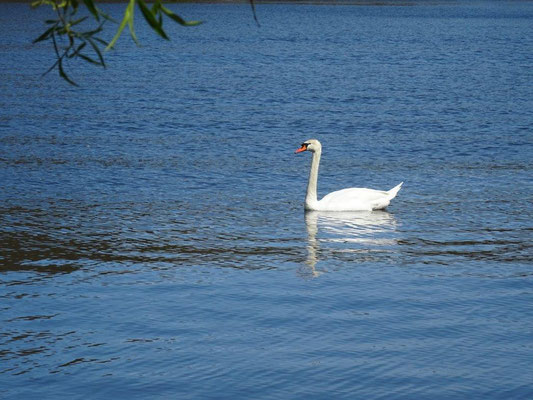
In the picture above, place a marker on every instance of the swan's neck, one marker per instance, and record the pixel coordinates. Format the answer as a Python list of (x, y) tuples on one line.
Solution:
[(311, 197)]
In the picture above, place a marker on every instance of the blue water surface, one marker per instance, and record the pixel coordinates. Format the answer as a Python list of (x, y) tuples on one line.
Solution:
[(152, 234)]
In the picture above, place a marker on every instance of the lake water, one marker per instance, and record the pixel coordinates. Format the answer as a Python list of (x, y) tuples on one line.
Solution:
[(152, 232)]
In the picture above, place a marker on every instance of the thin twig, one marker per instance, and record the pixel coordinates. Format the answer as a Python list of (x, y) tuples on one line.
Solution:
[(253, 12)]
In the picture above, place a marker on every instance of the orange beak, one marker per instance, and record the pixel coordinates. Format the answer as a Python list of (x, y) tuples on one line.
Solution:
[(303, 148)]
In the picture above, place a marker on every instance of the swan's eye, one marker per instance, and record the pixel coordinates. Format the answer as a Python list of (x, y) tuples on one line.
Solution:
[(305, 145)]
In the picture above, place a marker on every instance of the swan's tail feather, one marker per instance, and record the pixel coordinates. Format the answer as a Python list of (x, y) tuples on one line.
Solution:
[(394, 191)]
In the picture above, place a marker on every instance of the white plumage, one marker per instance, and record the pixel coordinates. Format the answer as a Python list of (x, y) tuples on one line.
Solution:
[(351, 199)]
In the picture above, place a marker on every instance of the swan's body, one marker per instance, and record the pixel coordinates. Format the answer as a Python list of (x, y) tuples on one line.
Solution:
[(351, 199)]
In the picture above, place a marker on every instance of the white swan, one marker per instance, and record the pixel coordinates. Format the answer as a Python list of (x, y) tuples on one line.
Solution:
[(351, 199)]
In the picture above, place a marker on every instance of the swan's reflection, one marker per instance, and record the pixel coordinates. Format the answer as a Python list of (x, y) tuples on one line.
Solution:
[(351, 232)]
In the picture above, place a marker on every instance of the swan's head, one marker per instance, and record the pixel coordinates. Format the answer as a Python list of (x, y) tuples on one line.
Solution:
[(311, 145)]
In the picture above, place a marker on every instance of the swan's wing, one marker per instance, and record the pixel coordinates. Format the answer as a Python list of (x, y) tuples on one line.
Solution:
[(355, 199)]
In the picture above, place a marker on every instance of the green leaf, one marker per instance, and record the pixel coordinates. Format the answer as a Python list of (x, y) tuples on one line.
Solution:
[(90, 33), (132, 29), (89, 59), (150, 18), (63, 4), (107, 17), (39, 3), (77, 51), (76, 22), (92, 8), (101, 41), (63, 75), (128, 15), (178, 19), (46, 34), (97, 51), (156, 7)]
